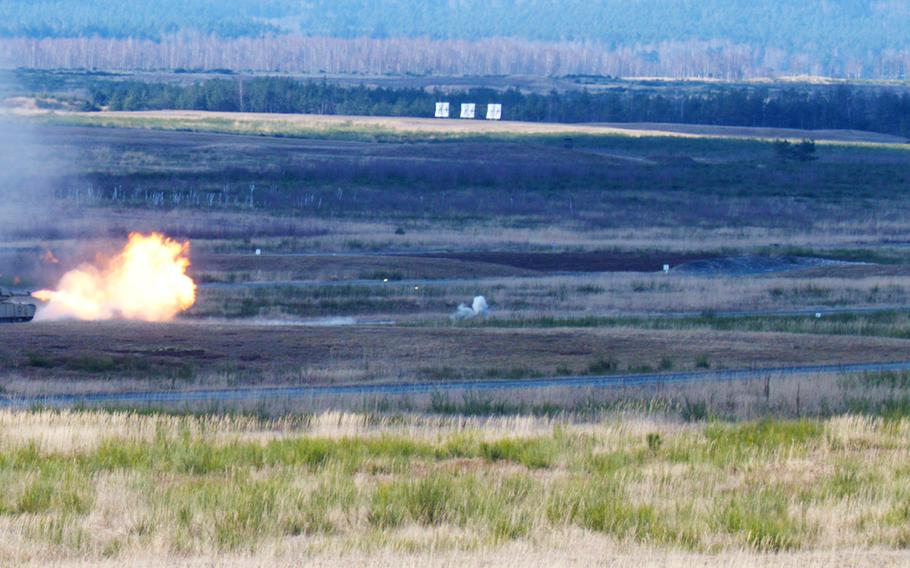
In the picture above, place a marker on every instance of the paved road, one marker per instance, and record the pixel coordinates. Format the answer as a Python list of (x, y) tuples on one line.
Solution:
[(611, 381)]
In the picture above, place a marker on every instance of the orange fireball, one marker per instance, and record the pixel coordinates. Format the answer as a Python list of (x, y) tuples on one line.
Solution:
[(146, 281)]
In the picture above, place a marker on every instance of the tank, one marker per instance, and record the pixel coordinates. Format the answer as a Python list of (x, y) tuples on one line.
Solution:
[(14, 312)]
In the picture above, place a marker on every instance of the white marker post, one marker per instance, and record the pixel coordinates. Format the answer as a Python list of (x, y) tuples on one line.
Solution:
[(468, 110), (666, 269)]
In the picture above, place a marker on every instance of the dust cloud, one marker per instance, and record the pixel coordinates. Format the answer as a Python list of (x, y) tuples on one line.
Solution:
[(26, 173)]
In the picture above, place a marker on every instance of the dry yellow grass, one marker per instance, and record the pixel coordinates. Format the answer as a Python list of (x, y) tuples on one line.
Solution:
[(558, 549), (399, 125), (816, 493), (272, 123)]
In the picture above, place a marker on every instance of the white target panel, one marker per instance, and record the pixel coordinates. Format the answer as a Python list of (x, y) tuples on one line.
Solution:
[(494, 112), (467, 110), (442, 110)]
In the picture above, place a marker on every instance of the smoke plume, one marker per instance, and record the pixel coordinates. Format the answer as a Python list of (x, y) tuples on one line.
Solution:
[(26, 172), (478, 308)]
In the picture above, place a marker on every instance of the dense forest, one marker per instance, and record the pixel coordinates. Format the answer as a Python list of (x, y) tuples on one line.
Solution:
[(692, 38), (837, 107), (826, 24)]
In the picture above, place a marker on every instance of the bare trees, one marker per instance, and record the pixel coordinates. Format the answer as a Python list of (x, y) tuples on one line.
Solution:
[(496, 56)]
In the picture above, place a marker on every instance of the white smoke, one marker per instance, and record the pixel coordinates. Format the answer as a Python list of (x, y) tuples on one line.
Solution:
[(479, 308), (26, 172)]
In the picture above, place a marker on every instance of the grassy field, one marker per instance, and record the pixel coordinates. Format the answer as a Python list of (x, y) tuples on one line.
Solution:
[(329, 488), (601, 191), (878, 324), (336, 126), (61, 357), (540, 296), (565, 240), (371, 233), (419, 226), (335, 194)]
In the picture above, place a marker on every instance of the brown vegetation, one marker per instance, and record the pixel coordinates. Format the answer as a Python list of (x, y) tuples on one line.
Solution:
[(76, 356)]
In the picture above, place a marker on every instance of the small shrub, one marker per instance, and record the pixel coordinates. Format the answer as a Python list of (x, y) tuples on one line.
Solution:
[(589, 289), (801, 152), (604, 507), (608, 464), (694, 411), (39, 360), (564, 371), (654, 441), (89, 364), (762, 520), (427, 501), (730, 441), (603, 366), (534, 453)]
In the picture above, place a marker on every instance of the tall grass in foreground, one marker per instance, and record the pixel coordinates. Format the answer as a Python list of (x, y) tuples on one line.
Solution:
[(99, 485)]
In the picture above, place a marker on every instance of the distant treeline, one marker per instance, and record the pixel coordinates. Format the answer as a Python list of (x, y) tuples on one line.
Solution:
[(725, 39), (690, 58), (815, 107), (823, 25)]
